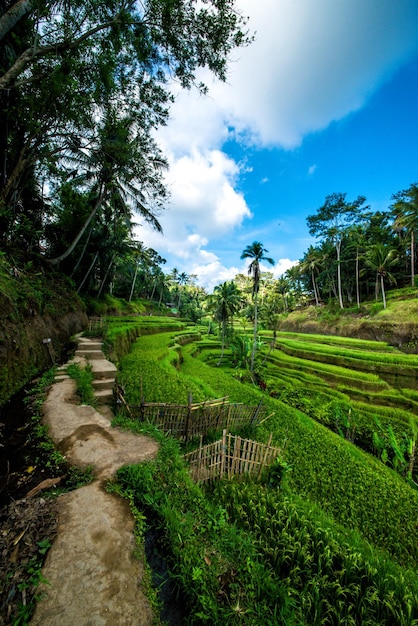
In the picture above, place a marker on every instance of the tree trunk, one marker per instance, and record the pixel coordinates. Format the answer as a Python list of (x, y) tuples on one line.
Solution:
[(382, 285), (223, 344), (133, 282), (357, 280), (70, 249), (412, 258), (105, 276), (88, 272), (315, 288), (82, 253), (10, 18), (255, 333), (340, 295)]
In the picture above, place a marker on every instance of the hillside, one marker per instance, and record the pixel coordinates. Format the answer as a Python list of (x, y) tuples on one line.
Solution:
[(397, 324), (40, 311)]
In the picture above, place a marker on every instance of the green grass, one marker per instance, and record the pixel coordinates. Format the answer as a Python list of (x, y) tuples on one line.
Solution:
[(213, 565), (83, 377)]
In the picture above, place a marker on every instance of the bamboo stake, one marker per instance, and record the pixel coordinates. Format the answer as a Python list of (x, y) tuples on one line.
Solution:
[(223, 452), (265, 455)]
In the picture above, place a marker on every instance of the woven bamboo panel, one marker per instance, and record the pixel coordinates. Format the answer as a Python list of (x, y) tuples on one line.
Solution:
[(192, 420), (230, 456)]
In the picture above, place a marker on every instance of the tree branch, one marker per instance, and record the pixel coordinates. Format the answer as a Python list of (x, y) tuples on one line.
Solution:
[(42, 51), (10, 18)]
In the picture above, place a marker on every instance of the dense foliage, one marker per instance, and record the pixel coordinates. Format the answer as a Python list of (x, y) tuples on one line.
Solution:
[(83, 86)]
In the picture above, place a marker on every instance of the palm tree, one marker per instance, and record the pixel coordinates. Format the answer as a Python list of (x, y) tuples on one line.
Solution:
[(405, 211), (117, 175), (182, 279), (255, 252), (140, 255), (312, 263), (357, 237), (282, 286), (224, 302), (380, 258)]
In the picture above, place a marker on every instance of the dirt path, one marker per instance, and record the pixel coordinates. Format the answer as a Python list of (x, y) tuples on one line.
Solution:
[(94, 578)]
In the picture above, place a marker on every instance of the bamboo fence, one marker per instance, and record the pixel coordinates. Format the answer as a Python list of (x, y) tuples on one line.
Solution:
[(97, 324), (229, 457), (186, 421)]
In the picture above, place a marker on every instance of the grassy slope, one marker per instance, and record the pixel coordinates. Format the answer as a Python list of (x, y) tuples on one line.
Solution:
[(366, 499), (396, 324)]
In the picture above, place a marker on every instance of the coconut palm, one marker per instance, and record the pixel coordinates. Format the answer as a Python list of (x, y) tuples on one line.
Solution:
[(255, 252), (405, 211), (119, 173), (312, 264), (224, 302), (380, 258)]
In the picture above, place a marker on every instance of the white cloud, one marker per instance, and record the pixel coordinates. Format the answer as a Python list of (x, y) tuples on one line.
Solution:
[(282, 266), (313, 62)]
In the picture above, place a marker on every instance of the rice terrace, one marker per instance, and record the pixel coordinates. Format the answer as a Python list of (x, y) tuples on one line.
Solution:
[(328, 533)]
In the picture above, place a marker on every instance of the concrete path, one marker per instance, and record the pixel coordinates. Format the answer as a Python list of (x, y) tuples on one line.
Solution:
[(93, 577)]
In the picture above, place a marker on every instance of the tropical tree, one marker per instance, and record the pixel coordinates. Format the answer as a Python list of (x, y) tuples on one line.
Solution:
[(312, 263), (405, 212), (332, 221), (118, 176), (380, 258), (282, 286), (224, 303), (140, 255), (256, 253), (357, 239), (62, 65)]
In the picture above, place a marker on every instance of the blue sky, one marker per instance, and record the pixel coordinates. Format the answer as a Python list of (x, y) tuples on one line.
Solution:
[(325, 100)]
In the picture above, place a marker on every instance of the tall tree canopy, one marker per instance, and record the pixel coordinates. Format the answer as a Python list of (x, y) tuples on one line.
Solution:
[(332, 221), (64, 65), (405, 213)]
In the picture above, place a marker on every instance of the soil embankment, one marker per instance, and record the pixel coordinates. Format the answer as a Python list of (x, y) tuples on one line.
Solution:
[(92, 573), (391, 326)]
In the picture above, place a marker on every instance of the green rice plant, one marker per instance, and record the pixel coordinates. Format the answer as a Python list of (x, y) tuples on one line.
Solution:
[(332, 575), (362, 359), (148, 373), (335, 340), (213, 566), (330, 370), (347, 483)]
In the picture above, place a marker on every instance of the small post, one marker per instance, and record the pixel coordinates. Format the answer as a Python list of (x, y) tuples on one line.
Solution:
[(256, 412), (189, 411), (223, 452), (265, 455), (47, 343)]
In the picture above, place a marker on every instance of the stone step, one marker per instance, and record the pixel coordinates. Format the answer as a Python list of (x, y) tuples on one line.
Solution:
[(104, 383), (103, 369), (59, 377), (104, 396), (89, 354), (93, 345)]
